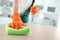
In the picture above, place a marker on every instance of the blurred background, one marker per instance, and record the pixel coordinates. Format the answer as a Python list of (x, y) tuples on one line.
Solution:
[(47, 14)]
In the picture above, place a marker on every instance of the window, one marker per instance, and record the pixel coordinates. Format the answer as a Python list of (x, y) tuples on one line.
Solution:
[(51, 9)]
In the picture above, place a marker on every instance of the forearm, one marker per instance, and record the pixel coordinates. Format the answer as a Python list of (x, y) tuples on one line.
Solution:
[(15, 5)]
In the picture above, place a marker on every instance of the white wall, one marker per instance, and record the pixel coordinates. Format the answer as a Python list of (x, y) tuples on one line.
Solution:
[(48, 3), (52, 15), (39, 2), (58, 11)]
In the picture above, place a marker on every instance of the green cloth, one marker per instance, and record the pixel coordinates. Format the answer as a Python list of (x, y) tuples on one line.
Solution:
[(24, 30)]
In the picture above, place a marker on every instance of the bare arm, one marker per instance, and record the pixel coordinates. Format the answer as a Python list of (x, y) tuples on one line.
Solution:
[(15, 6)]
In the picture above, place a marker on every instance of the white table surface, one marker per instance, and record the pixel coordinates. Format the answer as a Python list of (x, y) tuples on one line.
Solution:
[(37, 32)]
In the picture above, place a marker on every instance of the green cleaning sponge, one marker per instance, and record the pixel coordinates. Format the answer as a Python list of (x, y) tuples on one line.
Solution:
[(23, 31)]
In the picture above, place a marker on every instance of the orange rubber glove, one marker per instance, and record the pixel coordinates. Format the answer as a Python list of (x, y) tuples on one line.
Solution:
[(34, 9), (16, 21)]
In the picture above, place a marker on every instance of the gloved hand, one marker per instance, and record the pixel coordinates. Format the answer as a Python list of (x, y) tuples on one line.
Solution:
[(16, 21), (34, 9)]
